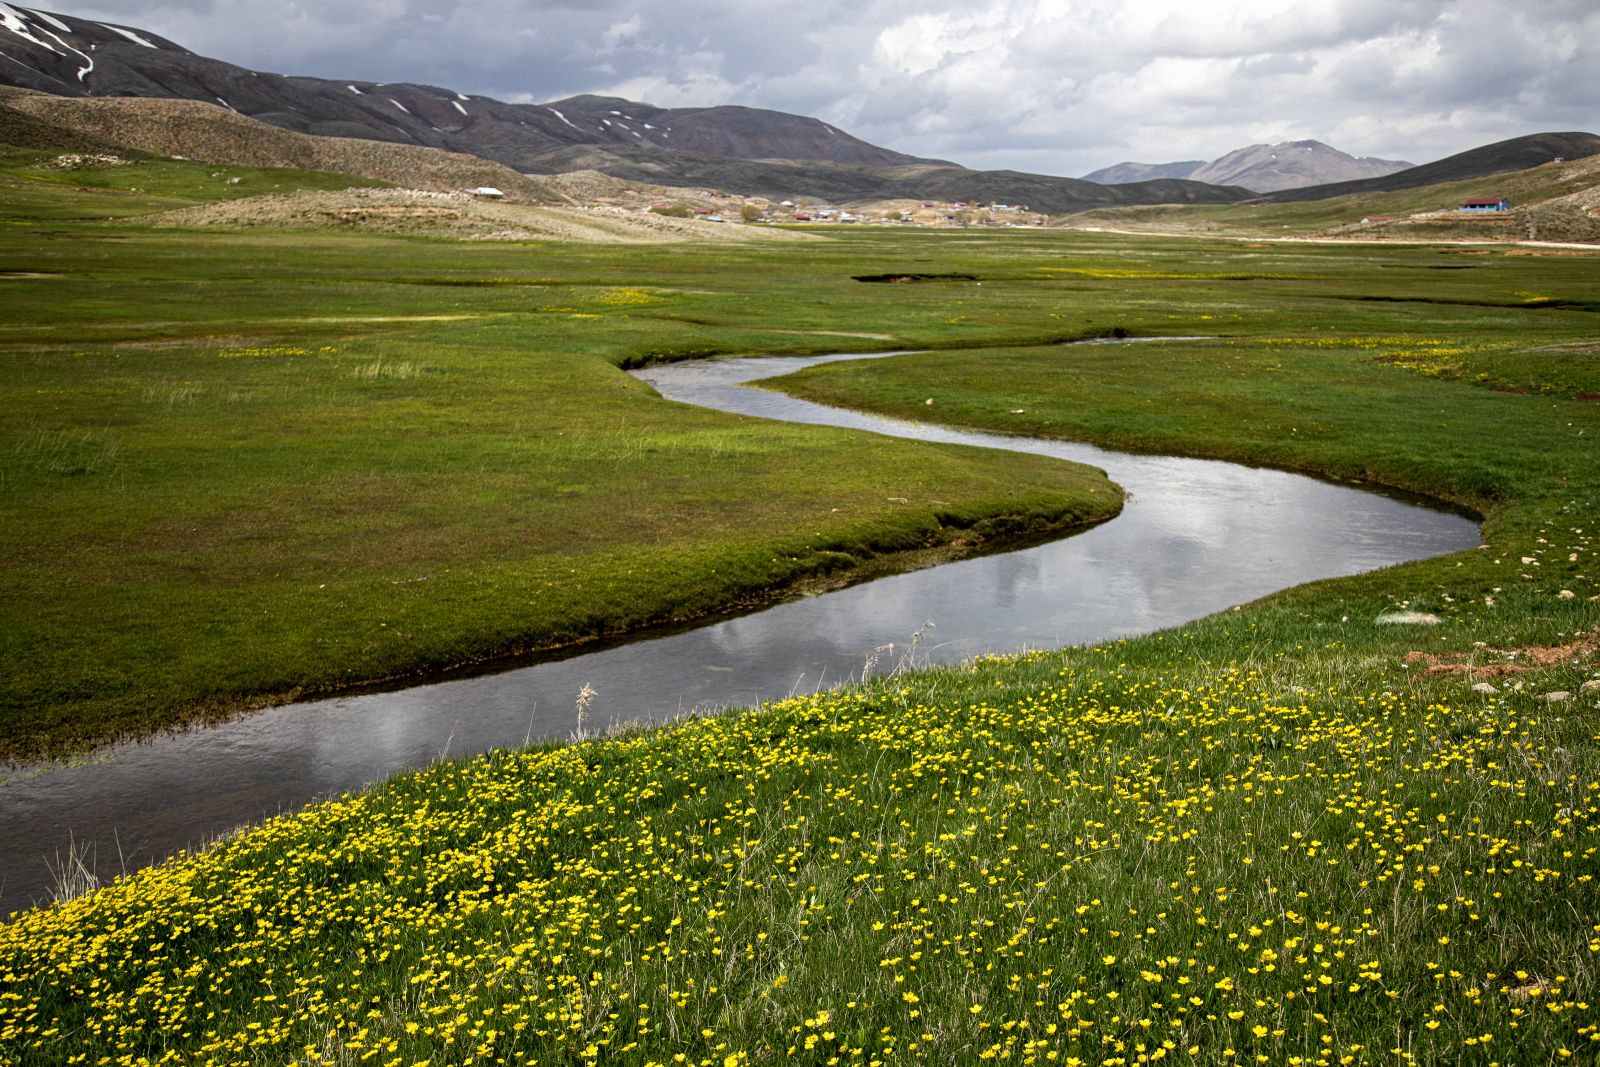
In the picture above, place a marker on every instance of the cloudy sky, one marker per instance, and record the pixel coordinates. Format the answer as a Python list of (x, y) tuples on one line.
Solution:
[(1052, 86)]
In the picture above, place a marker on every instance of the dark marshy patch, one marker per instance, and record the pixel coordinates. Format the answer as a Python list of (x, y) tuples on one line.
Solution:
[(1540, 303), (901, 279)]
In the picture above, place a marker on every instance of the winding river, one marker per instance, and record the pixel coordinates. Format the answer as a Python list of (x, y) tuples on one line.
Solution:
[(1195, 536)]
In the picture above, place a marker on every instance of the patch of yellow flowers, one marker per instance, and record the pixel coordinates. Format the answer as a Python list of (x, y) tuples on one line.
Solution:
[(1093, 867), (275, 352)]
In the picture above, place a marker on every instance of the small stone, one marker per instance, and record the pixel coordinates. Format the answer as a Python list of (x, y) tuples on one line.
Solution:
[(1566, 594), (1409, 618), (1559, 696), (1591, 686), (1485, 688)]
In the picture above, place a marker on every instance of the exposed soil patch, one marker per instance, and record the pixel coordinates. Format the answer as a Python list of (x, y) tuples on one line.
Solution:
[(1514, 660)]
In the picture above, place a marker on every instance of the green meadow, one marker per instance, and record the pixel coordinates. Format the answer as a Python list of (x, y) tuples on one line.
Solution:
[(242, 465)]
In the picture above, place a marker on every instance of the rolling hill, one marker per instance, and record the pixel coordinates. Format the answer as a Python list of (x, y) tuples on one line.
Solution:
[(208, 133)]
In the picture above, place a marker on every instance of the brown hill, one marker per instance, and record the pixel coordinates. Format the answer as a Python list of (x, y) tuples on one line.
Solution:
[(209, 133)]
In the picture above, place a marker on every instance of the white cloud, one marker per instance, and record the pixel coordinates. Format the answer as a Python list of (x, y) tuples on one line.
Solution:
[(619, 32)]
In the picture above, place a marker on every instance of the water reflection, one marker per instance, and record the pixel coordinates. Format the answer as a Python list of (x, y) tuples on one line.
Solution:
[(1195, 537)]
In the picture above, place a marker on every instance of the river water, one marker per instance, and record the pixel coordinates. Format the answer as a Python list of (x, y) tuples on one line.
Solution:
[(1194, 537)]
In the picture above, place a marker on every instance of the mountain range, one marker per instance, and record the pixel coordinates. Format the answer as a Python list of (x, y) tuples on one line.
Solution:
[(754, 151), (106, 79), (1261, 168)]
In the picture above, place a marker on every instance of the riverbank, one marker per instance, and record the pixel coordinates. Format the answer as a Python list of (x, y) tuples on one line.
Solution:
[(1194, 537)]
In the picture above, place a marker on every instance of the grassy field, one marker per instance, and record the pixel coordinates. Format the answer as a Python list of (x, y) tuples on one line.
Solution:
[(39, 185), (1290, 833)]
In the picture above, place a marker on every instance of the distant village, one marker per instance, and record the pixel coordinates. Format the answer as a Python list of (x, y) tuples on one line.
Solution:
[(958, 213), (717, 206)]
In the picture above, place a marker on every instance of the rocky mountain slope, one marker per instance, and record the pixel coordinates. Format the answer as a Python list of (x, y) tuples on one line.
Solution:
[(746, 149), (1124, 173), (1262, 168), (1292, 165)]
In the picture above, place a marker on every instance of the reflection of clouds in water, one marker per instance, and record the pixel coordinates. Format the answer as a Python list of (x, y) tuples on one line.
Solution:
[(1196, 536), (409, 734)]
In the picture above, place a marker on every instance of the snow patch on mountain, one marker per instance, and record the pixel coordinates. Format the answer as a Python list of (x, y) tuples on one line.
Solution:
[(51, 19), (13, 19), (129, 34), (17, 23), (16, 20)]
